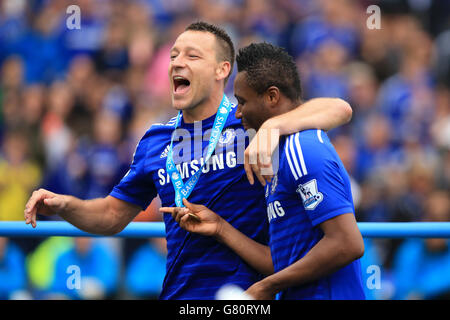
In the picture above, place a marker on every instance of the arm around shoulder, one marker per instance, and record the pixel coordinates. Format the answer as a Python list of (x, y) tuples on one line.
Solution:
[(317, 113)]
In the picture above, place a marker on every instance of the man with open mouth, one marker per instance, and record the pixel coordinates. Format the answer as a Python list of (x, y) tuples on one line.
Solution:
[(201, 61), (314, 241)]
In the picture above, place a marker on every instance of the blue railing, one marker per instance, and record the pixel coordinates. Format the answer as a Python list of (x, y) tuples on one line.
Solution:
[(156, 229)]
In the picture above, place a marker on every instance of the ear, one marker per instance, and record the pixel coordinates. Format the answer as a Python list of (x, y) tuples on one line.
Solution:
[(272, 96), (223, 70)]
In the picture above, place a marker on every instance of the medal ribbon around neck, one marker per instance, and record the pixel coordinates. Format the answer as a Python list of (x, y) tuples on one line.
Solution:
[(183, 190)]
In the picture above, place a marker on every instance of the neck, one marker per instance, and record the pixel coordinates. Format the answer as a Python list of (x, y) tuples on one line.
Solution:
[(204, 109)]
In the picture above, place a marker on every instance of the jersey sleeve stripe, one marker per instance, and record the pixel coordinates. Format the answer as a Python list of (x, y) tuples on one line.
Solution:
[(319, 135), (286, 149), (172, 121), (300, 153), (293, 156)]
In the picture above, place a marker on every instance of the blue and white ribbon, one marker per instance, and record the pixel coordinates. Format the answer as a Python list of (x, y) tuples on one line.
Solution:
[(183, 190)]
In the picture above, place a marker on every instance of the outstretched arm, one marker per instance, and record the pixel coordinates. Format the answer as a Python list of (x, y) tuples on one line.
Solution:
[(199, 219), (318, 113), (105, 216)]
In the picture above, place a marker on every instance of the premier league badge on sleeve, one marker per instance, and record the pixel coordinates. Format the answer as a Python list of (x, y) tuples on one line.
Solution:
[(311, 196)]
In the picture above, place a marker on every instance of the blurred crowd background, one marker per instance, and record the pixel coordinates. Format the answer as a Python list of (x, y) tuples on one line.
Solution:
[(74, 104)]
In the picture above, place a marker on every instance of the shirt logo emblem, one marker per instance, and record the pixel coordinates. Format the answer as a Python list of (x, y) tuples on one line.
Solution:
[(226, 137), (311, 196)]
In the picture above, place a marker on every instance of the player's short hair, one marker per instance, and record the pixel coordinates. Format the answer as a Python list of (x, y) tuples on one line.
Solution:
[(226, 48), (268, 65)]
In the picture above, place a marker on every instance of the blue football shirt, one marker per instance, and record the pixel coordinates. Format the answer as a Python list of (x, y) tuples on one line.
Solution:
[(310, 187), (197, 266)]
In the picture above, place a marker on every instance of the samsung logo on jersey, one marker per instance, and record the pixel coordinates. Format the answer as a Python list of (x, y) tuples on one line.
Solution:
[(274, 210), (187, 169)]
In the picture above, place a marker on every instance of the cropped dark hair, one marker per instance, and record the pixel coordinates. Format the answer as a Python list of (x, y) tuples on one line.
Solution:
[(268, 65), (226, 52)]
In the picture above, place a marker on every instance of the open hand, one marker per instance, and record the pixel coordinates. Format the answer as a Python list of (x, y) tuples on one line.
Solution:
[(43, 202)]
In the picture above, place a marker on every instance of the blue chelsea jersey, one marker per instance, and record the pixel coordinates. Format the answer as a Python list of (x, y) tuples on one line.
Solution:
[(310, 187), (197, 266)]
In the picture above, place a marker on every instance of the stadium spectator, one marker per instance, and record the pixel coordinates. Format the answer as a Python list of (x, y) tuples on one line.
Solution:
[(140, 281), (41, 264), (18, 175), (88, 270), (422, 267), (13, 279), (106, 163)]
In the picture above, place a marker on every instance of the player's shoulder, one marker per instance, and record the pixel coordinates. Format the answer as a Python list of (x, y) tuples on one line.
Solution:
[(313, 135), (169, 125), (160, 129), (306, 151), (311, 141), (156, 135)]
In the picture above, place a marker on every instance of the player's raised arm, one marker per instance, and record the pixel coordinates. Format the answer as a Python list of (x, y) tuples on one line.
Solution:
[(318, 113), (199, 219), (104, 216)]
